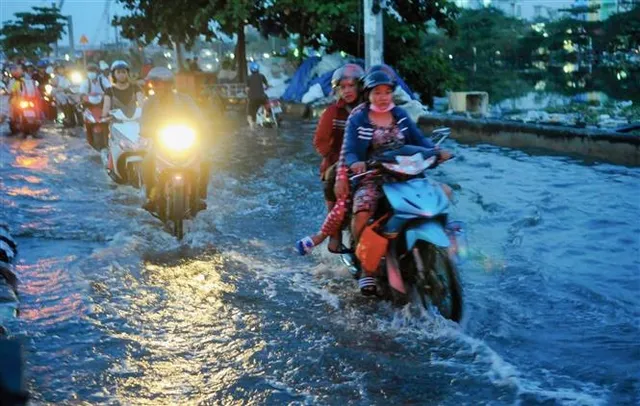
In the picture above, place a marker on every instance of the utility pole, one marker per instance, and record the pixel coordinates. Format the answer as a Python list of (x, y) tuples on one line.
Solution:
[(373, 34), (71, 42)]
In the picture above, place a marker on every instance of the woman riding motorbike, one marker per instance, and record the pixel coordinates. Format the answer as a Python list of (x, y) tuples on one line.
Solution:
[(123, 95), (378, 127)]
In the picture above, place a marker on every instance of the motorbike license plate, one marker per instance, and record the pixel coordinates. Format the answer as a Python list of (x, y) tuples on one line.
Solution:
[(29, 113)]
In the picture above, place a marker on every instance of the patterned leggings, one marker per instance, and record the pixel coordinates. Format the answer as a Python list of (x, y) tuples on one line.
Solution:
[(333, 222)]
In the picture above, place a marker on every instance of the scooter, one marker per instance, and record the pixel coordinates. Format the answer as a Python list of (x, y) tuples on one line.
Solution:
[(96, 127), (25, 118), (411, 245), (269, 115), (177, 172), (126, 149)]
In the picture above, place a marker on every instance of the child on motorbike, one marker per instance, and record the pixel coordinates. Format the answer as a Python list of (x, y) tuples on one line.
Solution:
[(376, 127), (328, 142)]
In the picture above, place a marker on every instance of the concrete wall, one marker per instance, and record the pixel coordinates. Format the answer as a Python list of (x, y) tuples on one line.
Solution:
[(607, 146)]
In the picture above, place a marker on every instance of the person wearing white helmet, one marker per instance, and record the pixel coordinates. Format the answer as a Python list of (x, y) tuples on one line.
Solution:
[(95, 83), (123, 95), (105, 72)]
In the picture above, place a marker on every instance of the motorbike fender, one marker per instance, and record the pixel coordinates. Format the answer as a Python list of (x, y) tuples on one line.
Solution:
[(133, 159), (429, 231)]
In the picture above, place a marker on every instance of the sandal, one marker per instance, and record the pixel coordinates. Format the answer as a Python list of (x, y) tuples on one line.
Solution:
[(367, 286), (341, 250), (305, 246)]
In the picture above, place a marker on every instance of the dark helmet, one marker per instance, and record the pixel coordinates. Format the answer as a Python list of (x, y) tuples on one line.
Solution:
[(348, 71), (378, 78), (160, 74), (42, 64), (384, 68), (92, 67)]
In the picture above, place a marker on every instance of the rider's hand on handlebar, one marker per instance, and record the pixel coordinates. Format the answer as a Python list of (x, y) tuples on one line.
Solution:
[(358, 167)]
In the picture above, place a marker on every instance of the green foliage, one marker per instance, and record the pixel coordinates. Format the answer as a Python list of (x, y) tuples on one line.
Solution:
[(32, 33), (151, 20), (429, 74)]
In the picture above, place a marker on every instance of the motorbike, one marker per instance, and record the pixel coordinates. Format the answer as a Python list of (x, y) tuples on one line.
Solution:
[(177, 171), (269, 115), (26, 118), (97, 128), (410, 246), (126, 149), (49, 105)]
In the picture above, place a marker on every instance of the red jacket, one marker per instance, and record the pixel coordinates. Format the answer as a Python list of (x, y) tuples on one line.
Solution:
[(330, 133)]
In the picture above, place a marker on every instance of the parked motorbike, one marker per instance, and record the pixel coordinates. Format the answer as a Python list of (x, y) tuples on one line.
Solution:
[(269, 115), (411, 245), (177, 172), (126, 148), (96, 127), (26, 118)]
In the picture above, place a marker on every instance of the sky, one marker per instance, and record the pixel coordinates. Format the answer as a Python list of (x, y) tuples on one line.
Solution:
[(88, 16)]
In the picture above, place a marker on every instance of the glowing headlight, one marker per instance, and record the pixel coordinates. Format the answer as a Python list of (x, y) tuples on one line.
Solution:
[(76, 78), (24, 104), (48, 89), (151, 92), (177, 137)]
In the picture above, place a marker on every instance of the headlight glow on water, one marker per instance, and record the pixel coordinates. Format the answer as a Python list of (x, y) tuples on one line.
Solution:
[(177, 138)]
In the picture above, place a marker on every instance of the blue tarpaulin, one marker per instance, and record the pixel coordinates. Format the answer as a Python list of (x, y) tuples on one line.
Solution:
[(301, 82)]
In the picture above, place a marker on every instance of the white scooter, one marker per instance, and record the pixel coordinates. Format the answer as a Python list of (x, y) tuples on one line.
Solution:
[(269, 115), (126, 149)]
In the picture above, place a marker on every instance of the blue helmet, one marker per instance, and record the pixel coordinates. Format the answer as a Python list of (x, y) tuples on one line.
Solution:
[(254, 67), (42, 64), (378, 78)]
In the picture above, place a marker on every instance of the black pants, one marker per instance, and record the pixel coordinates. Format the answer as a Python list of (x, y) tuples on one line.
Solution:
[(253, 105)]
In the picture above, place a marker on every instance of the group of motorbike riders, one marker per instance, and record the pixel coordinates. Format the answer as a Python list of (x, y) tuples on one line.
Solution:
[(362, 122), (114, 84)]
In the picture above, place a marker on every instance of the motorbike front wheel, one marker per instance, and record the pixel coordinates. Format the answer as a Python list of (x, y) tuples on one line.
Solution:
[(176, 203), (437, 280)]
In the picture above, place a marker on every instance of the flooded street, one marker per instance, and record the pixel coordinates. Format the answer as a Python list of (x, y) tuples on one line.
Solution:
[(116, 311)]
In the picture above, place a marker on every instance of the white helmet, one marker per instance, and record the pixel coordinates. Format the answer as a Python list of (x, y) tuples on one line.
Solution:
[(104, 65), (119, 65)]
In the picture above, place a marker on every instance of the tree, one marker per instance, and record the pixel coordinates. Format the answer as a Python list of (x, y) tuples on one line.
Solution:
[(151, 20), (32, 33)]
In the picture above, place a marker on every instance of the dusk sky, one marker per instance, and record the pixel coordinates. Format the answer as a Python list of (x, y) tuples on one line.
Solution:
[(87, 16)]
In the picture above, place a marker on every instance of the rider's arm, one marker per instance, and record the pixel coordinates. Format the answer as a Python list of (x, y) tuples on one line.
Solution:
[(412, 133), (324, 131), (264, 80), (139, 97), (106, 106), (349, 145)]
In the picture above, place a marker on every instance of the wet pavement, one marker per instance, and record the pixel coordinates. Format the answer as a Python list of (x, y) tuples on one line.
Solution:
[(116, 311)]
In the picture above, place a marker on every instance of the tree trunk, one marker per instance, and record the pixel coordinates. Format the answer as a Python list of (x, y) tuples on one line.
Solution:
[(178, 50), (300, 49), (241, 56)]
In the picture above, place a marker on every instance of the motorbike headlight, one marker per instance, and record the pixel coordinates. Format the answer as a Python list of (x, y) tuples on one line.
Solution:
[(177, 138), (24, 104), (48, 89), (151, 92), (76, 78)]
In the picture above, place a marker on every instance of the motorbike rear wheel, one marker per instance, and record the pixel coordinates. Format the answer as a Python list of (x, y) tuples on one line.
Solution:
[(437, 282)]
